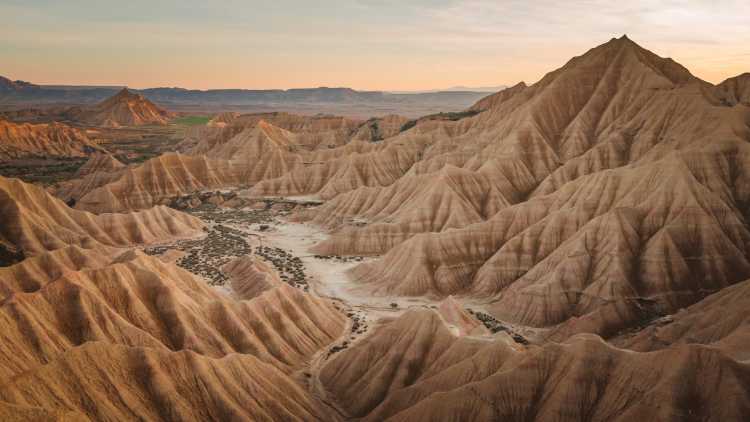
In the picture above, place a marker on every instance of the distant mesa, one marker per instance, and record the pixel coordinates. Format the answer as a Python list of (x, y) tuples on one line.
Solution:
[(460, 88), (126, 108), (23, 95), (7, 85)]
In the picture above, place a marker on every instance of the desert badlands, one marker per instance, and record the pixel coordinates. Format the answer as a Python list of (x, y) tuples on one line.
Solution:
[(576, 249)]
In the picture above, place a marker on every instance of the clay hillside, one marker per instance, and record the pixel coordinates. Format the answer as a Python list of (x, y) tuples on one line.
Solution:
[(125, 108), (34, 222), (234, 151), (24, 140), (610, 198), (100, 169), (84, 315)]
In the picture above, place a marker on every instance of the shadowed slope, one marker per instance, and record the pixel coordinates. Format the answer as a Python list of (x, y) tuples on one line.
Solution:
[(15, 413), (34, 222), (117, 383), (415, 370), (585, 379), (413, 347), (613, 246), (720, 320), (735, 90), (143, 338)]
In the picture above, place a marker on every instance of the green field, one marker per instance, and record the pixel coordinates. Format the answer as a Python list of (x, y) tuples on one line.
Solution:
[(191, 120)]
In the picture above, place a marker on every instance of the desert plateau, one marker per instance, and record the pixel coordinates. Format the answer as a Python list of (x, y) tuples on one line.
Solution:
[(574, 248)]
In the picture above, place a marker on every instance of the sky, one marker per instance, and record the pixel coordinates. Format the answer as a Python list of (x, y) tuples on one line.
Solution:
[(363, 44)]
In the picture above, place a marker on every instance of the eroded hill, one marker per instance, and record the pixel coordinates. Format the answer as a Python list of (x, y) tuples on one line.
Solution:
[(125, 108), (26, 140)]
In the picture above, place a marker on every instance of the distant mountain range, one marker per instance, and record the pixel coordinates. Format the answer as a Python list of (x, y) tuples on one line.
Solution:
[(25, 93), (482, 89)]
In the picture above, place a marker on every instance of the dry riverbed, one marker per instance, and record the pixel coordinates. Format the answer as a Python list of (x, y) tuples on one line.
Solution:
[(264, 231)]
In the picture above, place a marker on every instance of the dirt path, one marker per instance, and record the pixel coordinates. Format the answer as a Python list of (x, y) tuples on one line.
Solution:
[(315, 385)]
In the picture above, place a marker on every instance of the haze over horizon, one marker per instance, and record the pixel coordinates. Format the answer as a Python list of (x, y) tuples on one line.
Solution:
[(362, 44)]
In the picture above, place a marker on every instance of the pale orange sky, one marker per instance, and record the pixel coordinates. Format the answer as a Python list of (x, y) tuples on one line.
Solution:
[(363, 44)]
